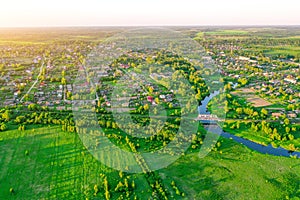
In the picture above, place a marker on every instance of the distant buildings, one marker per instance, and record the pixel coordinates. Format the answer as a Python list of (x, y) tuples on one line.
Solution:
[(290, 80), (276, 114)]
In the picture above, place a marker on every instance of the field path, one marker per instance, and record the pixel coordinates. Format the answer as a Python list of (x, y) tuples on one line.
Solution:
[(35, 82)]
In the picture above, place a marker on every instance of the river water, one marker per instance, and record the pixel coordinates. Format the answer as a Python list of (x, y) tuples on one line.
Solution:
[(250, 144)]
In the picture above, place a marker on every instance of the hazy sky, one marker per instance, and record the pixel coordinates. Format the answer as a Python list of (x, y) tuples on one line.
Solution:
[(148, 12)]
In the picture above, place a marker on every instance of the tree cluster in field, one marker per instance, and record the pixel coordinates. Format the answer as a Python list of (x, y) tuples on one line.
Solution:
[(5, 116), (273, 131)]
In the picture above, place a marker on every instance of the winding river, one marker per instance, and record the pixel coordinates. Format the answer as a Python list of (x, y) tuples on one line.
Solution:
[(202, 109)]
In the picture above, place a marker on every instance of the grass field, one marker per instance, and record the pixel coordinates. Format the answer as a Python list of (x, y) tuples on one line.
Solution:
[(283, 50), (227, 32), (57, 167), (237, 173), (278, 50), (46, 163)]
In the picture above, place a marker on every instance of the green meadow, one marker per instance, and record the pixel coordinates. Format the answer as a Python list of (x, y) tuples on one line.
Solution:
[(227, 32), (46, 163)]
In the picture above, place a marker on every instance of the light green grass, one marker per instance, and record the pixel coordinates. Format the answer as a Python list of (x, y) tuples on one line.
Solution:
[(59, 167), (237, 173), (227, 32), (279, 50)]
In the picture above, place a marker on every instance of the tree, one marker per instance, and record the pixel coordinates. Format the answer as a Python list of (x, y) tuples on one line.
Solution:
[(291, 107), (252, 125), (32, 106), (238, 124), (20, 119), (228, 87), (243, 81), (287, 129), (108, 124), (264, 112), (96, 190), (291, 137), (275, 131), (155, 111), (255, 114), (239, 110), (11, 190), (156, 100), (3, 127), (63, 81), (6, 115), (21, 128), (105, 183), (286, 121), (146, 107), (107, 195)]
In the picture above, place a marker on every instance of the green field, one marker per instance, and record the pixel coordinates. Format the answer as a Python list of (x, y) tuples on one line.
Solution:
[(278, 50), (46, 163), (227, 32)]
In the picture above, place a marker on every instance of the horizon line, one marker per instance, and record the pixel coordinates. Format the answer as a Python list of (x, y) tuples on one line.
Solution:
[(180, 25)]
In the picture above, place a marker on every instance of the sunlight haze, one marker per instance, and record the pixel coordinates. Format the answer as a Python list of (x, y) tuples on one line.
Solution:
[(155, 12)]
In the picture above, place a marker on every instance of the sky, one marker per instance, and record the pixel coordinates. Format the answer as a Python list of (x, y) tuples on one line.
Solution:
[(30, 13)]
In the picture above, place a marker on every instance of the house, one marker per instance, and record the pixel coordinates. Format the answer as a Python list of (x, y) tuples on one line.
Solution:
[(162, 96), (242, 58), (124, 66), (102, 74), (257, 87), (253, 61), (150, 98), (277, 94), (59, 93), (107, 103), (276, 115), (291, 115), (69, 88), (290, 80), (60, 108)]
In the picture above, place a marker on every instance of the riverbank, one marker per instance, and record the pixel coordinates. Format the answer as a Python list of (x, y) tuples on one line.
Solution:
[(254, 145)]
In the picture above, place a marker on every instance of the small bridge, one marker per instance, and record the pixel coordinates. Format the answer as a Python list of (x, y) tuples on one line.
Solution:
[(208, 118)]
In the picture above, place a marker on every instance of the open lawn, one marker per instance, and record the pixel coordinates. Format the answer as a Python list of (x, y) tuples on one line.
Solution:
[(45, 163)]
